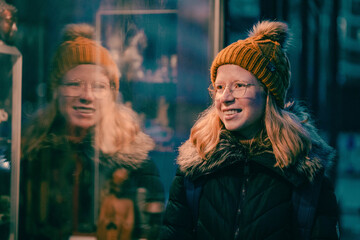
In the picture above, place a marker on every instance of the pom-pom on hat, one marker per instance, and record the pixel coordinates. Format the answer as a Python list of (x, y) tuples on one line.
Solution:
[(263, 54), (79, 47)]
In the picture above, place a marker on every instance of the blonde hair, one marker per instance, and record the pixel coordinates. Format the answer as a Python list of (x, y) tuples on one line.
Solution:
[(289, 138), (115, 131), (36, 134), (206, 131), (287, 134)]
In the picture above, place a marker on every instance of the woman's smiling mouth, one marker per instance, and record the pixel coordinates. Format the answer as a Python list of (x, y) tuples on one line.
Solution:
[(84, 110), (231, 111)]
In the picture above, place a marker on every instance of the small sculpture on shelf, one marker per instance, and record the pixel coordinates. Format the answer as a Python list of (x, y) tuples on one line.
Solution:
[(8, 23)]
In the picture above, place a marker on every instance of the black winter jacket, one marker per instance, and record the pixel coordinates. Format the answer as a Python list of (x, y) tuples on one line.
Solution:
[(244, 196), (47, 185)]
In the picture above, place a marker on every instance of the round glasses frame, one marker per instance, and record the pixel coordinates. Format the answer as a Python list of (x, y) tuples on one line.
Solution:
[(237, 90), (75, 87)]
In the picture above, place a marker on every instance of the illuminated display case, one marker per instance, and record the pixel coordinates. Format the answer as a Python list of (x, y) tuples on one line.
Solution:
[(163, 56), (10, 128), (145, 49)]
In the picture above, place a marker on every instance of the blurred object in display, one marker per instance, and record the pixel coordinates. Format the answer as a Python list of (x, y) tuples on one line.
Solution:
[(8, 21)]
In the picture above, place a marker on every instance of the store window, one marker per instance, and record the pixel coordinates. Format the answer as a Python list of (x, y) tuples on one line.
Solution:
[(71, 188)]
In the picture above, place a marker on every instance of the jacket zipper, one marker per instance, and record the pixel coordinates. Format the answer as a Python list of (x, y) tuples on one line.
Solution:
[(242, 198)]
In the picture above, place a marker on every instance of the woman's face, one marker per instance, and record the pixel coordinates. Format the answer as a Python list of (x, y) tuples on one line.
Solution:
[(83, 92), (239, 100)]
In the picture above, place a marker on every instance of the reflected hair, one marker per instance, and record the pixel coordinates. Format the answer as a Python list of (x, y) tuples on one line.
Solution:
[(288, 137), (5, 6), (115, 131)]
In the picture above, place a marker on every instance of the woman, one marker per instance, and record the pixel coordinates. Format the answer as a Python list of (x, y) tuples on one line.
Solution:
[(254, 158), (77, 150)]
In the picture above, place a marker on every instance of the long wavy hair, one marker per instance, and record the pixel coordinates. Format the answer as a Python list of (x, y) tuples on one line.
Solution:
[(288, 136), (117, 127)]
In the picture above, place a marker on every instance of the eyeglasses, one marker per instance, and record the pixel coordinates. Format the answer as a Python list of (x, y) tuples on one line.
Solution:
[(75, 87), (237, 89)]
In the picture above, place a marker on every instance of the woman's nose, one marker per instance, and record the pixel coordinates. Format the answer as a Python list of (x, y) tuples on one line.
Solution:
[(87, 93), (227, 96)]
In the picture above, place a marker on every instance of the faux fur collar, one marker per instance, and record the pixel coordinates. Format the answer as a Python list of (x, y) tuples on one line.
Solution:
[(230, 150), (134, 155), (131, 157)]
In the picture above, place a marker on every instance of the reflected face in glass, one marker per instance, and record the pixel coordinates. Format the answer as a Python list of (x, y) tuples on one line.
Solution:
[(239, 100), (84, 91)]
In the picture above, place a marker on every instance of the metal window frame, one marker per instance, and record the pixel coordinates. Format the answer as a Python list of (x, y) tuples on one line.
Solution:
[(15, 137)]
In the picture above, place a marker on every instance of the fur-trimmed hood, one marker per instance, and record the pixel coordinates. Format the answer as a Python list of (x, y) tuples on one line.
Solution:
[(134, 155), (229, 151), (131, 157)]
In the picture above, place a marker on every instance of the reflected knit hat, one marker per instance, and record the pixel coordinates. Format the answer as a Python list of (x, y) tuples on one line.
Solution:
[(263, 54), (79, 47)]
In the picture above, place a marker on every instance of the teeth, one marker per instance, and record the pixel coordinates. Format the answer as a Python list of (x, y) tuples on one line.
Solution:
[(85, 110), (230, 111)]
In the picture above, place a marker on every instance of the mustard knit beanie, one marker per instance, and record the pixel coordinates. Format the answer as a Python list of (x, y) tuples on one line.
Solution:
[(79, 47), (263, 54)]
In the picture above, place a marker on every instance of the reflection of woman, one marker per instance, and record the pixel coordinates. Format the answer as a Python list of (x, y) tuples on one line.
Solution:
[(74, 146), (255, 159)]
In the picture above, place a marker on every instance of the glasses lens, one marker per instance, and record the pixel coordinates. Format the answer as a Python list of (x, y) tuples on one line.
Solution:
[(212, 91), (100, 89), (239, 91), (71, 88)]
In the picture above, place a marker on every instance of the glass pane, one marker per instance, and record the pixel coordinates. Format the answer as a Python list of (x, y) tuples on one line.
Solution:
[(74, 185), (10, 110), (5, 142)]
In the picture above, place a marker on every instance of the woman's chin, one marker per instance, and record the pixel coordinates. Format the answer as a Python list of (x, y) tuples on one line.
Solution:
[(81, 125)]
